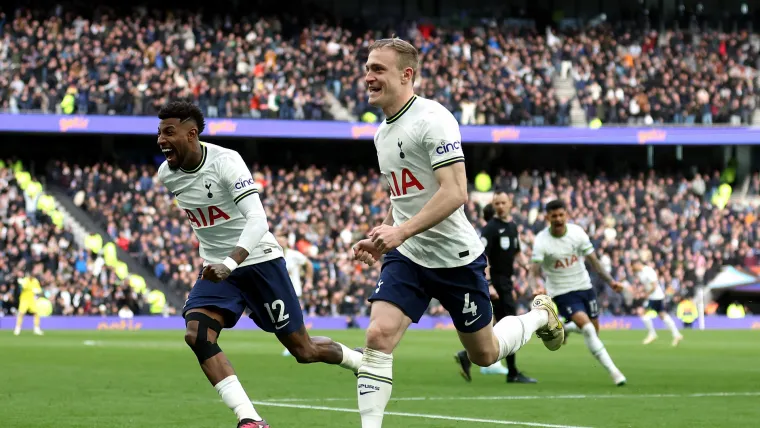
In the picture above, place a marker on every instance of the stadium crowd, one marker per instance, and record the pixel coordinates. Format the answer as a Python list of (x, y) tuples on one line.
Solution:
[(490, 73), (668, 220), (672, 77), (74, 281)]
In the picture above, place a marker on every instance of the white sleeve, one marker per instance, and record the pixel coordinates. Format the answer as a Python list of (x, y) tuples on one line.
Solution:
[(586, 247), (302, 259), (538, 251), (651, 276), (442, 140), (239, 182)]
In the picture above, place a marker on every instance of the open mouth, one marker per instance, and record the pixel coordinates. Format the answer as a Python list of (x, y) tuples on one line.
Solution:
[(170, 153), (373, 90)]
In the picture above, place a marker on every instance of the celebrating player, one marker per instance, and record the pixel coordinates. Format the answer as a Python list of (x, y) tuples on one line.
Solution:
[(502, 243), (656, 302), (244, 265), (560, 250), (431, 249)]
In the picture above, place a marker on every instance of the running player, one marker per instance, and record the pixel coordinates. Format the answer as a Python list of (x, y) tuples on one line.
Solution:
[(502, 242), (243, 264), (656, 302), (560, 250), (431, 249)]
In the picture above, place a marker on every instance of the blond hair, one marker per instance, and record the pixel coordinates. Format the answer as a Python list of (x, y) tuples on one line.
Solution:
[(407, 54)]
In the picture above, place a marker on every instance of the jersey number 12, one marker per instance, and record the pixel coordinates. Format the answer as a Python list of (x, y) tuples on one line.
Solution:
[(278, 306)]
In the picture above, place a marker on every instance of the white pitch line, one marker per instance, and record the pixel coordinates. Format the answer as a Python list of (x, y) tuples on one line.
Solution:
[(417, 415), (531, 397)]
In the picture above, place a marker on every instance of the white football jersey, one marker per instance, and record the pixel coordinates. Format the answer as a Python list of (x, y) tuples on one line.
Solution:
[(562, 259), (422, 137), (648, 277), (209, 195), (294, 260)]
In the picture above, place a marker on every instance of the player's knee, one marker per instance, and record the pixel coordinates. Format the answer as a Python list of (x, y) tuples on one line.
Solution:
[(191, 336), (379, 338), (483, 357), (196, 335)]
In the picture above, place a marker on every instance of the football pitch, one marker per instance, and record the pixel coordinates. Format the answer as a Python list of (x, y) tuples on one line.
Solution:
[(151, 379)]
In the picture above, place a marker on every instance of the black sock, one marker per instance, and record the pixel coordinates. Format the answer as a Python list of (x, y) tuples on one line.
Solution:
[(511, 365)]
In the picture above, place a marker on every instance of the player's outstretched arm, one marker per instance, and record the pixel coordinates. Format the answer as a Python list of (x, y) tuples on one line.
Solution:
[(597, 266), (451, 195)]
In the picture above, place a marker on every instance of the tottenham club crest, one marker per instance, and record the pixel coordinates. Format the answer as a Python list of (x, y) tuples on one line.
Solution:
[(400, 150), (207, 185)]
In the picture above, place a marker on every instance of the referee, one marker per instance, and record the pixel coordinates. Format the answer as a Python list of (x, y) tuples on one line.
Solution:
[(502, 244)]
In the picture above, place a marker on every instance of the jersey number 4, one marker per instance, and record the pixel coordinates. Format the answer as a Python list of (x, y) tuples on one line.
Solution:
[(469, 307)]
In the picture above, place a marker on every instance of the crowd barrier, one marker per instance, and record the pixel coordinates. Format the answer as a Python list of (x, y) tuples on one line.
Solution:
[(335, 323), (304, 129)]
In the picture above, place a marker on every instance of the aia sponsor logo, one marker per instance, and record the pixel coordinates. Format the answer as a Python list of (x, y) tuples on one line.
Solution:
[(206, 217), (566, 262), (400, 185)]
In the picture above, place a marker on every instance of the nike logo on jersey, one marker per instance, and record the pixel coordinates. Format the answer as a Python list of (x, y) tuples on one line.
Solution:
[(469, 323), (502, 230), (366, 392), (177, 194), (278, 327)]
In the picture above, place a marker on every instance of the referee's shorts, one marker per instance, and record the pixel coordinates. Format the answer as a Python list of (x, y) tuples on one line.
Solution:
[(506, 304)]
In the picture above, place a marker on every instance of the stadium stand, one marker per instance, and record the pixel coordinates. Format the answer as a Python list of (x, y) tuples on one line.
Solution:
[(75, 281), (668, 219), (489, 73), (670, 77)]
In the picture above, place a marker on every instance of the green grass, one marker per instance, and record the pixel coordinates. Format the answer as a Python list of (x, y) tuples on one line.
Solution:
[(150, 379)]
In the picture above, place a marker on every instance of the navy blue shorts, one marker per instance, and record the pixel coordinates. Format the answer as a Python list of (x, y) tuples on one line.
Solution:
[(463, 291), (577, 301), (656, 305), (264, 288)]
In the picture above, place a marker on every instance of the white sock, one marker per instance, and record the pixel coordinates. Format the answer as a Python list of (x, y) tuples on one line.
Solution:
[(571, 327), (235, 398), (671, 325), (351, 359), (649, 325), (496, 365), (514, 332), (374, 385), (597, 348)]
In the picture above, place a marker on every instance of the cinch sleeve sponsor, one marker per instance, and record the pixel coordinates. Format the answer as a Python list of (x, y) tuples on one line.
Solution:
[(443, 141), (237, 177)]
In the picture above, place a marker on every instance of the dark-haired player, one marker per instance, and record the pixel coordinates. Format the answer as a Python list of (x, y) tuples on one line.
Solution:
[(502, 242), (560, 250), (244, 265)]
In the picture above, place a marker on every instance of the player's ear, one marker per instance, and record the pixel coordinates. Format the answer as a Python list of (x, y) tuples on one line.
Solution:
[(406, 76), (192, 133)]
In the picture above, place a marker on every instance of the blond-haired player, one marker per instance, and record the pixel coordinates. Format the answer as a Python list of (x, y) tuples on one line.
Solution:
[(431, 249)]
